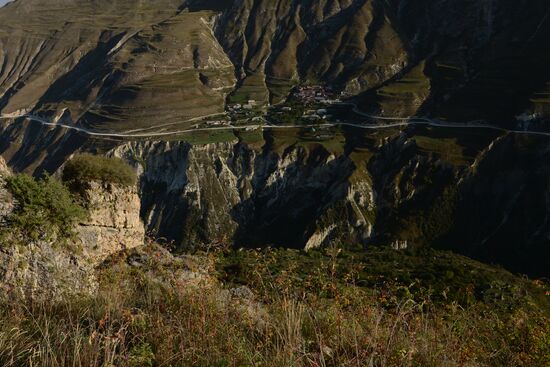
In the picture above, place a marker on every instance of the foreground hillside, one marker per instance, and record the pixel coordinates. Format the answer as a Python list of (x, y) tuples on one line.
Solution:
[(153, 309), (82, 285)]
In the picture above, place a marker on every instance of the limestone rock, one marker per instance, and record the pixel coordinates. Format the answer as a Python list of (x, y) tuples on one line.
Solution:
[(229, 192), (6, 199), (40, 269), (43, 270), (113, 222)]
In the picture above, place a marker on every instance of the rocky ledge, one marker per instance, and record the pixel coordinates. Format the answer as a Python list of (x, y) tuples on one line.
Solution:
[(49, 268)]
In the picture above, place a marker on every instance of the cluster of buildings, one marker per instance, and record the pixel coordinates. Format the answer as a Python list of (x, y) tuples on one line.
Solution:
[(316, 94), (315, 115), (239, 107), (218, 123)]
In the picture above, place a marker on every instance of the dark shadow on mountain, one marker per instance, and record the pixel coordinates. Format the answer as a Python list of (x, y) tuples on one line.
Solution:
[(284, 212)]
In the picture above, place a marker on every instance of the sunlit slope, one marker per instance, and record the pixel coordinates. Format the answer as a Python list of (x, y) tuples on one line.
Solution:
[(458, 60), (111, 64), (126, 65), (352, 44)]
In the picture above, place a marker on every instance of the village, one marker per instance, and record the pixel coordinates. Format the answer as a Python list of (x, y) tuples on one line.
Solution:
[(305, 104)]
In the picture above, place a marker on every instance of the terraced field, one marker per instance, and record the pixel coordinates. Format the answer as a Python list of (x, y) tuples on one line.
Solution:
[(114, 66)]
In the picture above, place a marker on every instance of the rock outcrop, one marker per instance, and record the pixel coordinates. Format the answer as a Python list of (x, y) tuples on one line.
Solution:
[(113, 222), (412, 187), (230, 192), (51, 268), (6, 199)]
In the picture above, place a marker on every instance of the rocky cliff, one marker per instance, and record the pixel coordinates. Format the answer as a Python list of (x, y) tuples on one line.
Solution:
[(407, 189), (51, 267), (198, 195), (113, 222)]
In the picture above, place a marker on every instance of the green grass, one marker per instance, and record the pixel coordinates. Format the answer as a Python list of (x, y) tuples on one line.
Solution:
[(413, 82), (447, 149), (457, 147), (440, 277), (207, 137), (542, 97), (252, 87), (403, 96), (253, 138), (331, 140)]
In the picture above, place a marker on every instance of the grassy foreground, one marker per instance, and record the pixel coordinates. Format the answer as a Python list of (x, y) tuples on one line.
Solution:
[(304, 310)]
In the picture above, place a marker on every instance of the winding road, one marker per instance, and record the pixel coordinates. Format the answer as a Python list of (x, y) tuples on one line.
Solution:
[(400, 122)]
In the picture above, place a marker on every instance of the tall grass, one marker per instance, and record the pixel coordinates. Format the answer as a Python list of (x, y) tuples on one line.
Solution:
[(135, 321)]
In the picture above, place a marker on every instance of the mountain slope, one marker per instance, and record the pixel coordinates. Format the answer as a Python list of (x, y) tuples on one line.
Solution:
[(109, 63), (125, 66), (483, 59)]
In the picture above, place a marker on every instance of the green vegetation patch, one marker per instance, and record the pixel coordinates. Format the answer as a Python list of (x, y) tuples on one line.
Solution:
[(459, 147), (207, 137), (145, 313), (252, 87), (253, 138), (414, 82), (405, 95), (423, 275), (46, 208), (447, 149), (88, 167)]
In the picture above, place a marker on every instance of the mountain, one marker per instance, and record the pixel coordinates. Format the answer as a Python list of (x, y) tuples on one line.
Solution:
[(105, 63), (457, 59), (131, 77), (108, 63)]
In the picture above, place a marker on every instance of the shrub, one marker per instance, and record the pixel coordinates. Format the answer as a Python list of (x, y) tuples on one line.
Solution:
[(141, 355), (46, 207), (88, 167)]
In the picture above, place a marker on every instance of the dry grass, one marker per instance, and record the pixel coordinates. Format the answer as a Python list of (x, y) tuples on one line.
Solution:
[(136, 320)]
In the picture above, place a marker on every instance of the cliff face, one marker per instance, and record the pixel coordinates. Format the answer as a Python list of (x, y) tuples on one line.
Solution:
[(51, 268), (405, 189), (6, 199), (113, 222), (232, 192)]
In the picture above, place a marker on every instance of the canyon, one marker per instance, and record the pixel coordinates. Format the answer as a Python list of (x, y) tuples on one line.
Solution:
[(115, 67)]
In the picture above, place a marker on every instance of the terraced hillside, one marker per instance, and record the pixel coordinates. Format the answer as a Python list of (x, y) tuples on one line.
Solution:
[(122, 65), (111, 65), (457, 59)]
